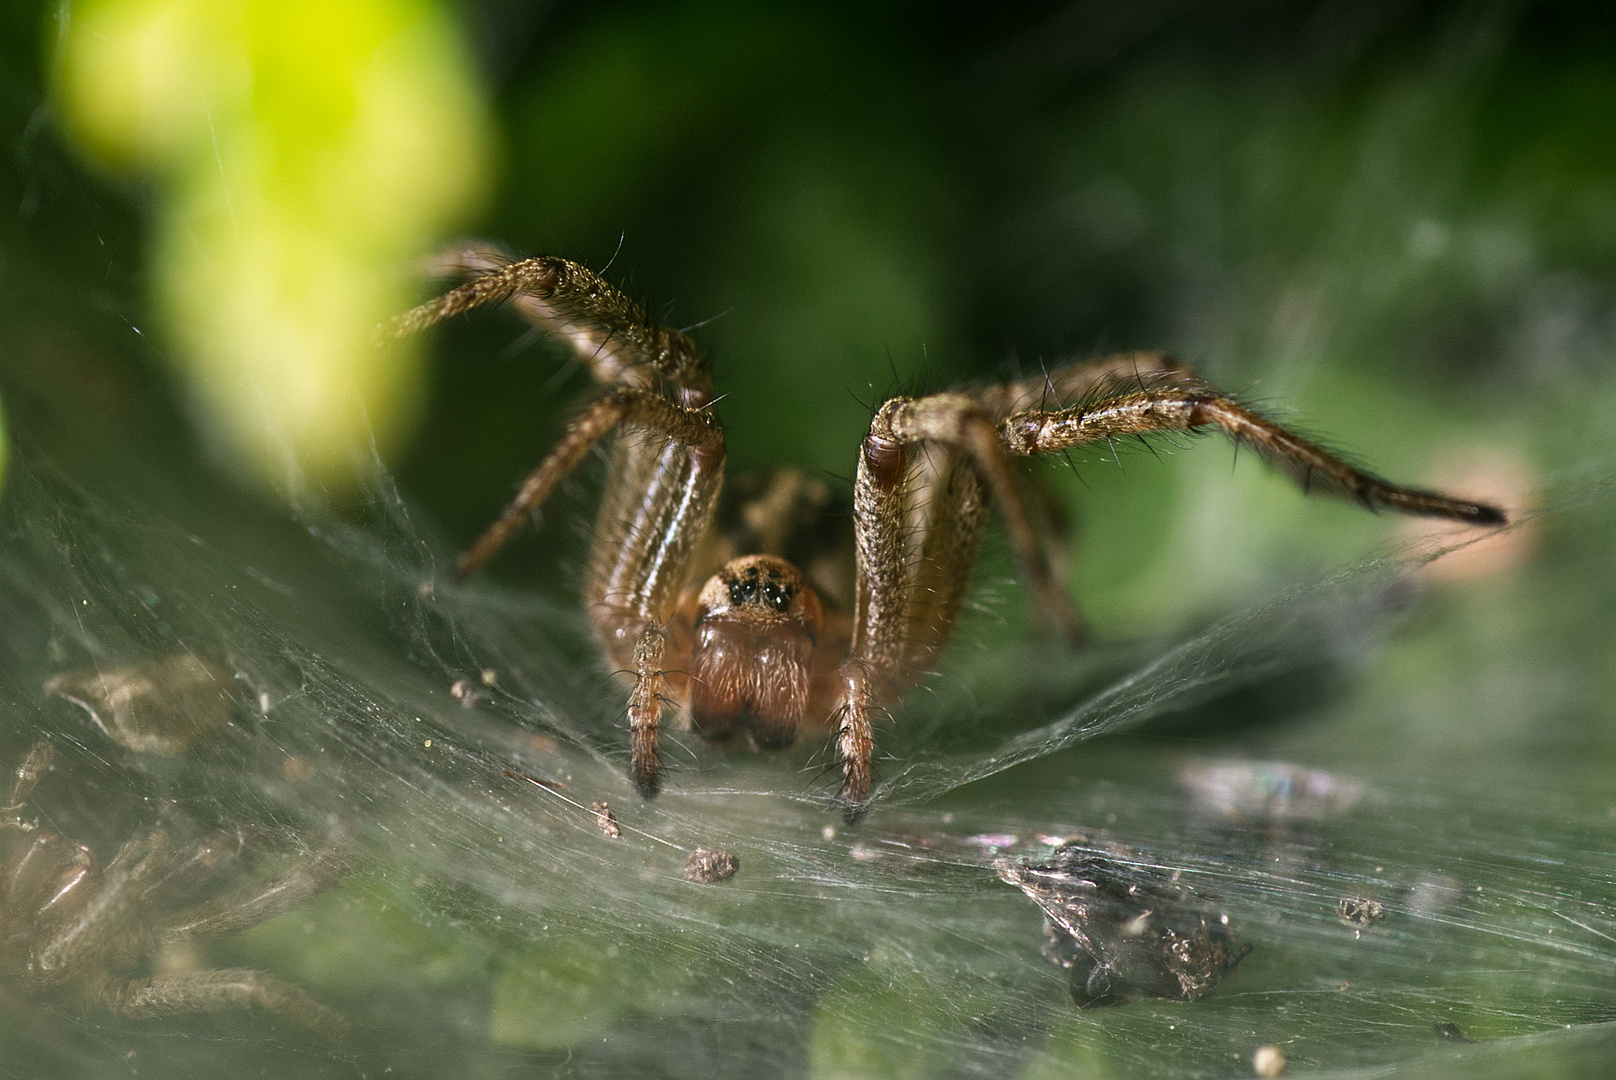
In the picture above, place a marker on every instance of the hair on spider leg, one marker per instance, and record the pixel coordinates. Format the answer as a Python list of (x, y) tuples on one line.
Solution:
[(861, 402), (618, 250), (823, 771), (684, 747), (1071, 467), (453, 262), (819, 765), (1148, 445), (708, 321)]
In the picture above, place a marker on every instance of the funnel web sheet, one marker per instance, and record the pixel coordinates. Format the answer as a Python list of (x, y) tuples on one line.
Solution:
[(1422, 915)]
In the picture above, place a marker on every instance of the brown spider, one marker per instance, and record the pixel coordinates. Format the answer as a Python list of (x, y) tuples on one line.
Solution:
[(740, 637), (72, 929)]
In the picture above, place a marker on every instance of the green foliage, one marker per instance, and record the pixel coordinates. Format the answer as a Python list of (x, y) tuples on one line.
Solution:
[(303, 153)]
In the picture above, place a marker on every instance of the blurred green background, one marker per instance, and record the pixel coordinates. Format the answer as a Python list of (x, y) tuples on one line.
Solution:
[(1393, 223), (1389, 223)]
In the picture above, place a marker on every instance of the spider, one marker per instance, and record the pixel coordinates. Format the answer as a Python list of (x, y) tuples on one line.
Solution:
[(740, 638), (71, 928)]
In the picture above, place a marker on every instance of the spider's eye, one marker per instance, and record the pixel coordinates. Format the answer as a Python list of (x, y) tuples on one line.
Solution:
[(764, 586)]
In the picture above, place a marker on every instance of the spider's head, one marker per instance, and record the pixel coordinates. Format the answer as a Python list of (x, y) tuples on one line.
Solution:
[(757, 621)]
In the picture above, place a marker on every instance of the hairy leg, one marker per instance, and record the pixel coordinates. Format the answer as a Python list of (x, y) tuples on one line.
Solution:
[(637, 408), (615, 337), (645, 711), (218, 991), (667, 461), (919, 503), (1187, 404), (1068, 384), (252, 904), (855, 736), (957, 422), (660, 497), (106, 917), (912, 536)]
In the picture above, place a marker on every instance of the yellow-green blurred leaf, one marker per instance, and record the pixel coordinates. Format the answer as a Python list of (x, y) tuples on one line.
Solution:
[(303, 153)]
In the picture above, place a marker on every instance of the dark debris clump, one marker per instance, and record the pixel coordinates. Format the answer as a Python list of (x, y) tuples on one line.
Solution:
[(1124, 930), (709, 867)]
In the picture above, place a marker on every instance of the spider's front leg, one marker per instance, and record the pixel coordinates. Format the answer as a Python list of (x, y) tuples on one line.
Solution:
[(918, 508), (661, 492), (1167, 396), (667, 461), (610, 334)]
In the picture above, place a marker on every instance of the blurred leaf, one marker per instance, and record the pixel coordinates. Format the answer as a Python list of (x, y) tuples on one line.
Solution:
[(303, 153)]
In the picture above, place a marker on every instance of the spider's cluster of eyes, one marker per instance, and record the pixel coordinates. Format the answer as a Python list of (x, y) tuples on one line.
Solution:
[(752, 587)]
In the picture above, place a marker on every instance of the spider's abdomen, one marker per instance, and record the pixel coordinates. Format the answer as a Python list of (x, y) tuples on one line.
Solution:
[(757, 622)]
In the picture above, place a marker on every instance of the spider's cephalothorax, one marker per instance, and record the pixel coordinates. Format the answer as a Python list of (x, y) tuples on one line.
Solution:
[(751, 646), (756, 625)]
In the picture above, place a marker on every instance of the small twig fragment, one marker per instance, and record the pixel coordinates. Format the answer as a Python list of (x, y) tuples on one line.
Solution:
[(605, 820)]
